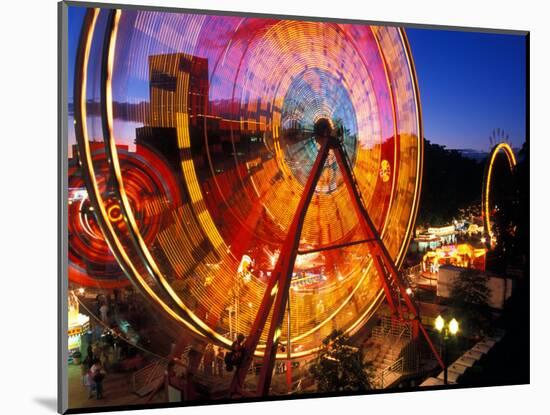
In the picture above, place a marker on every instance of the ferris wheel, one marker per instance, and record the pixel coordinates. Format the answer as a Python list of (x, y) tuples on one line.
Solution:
[(500, 145), (295, 150)]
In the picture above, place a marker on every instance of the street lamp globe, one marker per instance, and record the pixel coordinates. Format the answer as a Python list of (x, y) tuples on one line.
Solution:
[(439, 323), (453, 326)]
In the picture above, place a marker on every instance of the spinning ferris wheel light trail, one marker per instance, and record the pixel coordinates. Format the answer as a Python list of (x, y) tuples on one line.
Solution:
[(311, 161), (276, 294), (486, 207)]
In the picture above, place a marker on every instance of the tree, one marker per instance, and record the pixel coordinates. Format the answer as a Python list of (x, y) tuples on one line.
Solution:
[(340, 366), (450, 181), (470, 295), (511, 220)]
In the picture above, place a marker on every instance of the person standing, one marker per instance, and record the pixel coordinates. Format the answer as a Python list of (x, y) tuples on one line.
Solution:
[(84, 368), (208, 359), (90, 384), (98, 304), (86, 365), (98, 375), (220, 357), (104, 313), (237, 349)]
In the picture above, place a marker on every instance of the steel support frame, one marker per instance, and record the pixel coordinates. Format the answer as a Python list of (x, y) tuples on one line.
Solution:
[(391, 280), (277, 290)]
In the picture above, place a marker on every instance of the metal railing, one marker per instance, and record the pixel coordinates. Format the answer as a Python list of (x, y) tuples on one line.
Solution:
[(389, 327), (183, 358), (396, 336), (414, 270), (396, 368), (120, 336), (146, 375)]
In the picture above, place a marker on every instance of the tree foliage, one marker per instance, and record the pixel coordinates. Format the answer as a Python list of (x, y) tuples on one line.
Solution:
[(450, 181), (470, 295), (511, 220), (340, 366)]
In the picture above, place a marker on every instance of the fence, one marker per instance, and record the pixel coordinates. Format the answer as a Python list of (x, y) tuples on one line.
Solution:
[(389, 374), (146, 379)]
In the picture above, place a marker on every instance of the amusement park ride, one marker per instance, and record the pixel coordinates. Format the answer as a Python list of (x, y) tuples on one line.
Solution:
[(499, 146), (366, 161), (276, 294)]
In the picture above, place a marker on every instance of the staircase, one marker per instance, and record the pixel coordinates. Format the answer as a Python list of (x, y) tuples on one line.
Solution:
[(385, 352)]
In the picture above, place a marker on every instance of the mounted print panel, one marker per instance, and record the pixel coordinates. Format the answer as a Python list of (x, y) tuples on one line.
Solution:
[(263, 207)]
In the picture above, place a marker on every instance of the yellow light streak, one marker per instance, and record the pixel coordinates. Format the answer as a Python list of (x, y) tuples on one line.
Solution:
[(486, 208)]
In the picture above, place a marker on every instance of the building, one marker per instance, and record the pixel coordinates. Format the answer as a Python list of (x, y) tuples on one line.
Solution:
[(462, 256), (433, 238), (178, 84), (500, 286), (170, 76), (179, 90)]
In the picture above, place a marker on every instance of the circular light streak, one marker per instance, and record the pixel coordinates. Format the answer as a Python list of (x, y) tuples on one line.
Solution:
[(114, 213), (91, 262), (486, 192)]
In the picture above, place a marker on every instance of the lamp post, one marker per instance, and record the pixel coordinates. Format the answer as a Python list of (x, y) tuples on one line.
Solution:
[(445, 330)]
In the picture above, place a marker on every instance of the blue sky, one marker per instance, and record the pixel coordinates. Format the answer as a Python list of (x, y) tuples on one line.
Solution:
[(76, 16), (470, 83)]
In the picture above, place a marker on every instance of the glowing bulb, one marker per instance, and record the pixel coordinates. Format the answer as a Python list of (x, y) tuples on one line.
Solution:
[(408, 291), (81, 291), (453, 326), (439, 323), (277, 335)]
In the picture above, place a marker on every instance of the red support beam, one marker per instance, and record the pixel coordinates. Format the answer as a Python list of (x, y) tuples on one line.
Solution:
[(277, 290), (278, 286), (253, 337), (366, 225), (287, 259), (382, 259)]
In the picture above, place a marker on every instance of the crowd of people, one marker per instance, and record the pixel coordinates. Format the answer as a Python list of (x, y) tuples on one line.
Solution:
[(106, 349), (213, 361), (216, 361)]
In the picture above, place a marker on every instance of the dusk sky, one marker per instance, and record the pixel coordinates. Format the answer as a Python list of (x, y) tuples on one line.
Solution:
[(470, 83)]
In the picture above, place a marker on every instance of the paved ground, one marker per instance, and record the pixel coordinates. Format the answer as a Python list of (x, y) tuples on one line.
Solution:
[(116, 391)]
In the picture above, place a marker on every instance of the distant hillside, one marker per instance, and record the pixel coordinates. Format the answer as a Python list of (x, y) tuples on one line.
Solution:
[(472, 154), (452, 180)]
